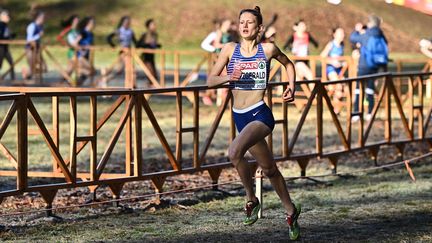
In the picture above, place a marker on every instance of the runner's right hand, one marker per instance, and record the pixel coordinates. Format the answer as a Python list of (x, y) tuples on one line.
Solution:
[(236, 74)]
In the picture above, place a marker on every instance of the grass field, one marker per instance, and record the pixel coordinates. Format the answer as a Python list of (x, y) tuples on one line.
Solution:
[(164, 110), (382, 206), (378, 206)]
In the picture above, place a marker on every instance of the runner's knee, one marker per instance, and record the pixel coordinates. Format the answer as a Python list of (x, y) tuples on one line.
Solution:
[(271, 171), (235, 155)]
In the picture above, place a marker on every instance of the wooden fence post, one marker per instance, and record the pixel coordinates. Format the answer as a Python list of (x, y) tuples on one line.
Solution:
[(22, 121), (388, 135)]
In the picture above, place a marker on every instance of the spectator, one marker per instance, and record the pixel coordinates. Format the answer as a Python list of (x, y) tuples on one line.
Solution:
[(355, 54), (373, 56), (5, 34)]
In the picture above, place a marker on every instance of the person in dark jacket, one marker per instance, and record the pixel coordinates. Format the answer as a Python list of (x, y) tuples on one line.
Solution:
[(85, 40), (358, 39), (4, 48), (149, 40)]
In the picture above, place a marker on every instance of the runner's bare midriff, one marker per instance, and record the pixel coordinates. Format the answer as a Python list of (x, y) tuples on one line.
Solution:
[(245, 98)]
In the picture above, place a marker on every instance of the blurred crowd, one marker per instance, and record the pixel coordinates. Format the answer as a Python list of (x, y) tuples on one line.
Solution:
[(367, 42), (77, 35), (367, 46)]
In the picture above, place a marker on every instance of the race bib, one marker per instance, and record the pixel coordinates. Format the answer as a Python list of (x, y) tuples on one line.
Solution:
[(254, 74)]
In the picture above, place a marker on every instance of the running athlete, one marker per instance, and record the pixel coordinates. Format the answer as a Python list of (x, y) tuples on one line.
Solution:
[(248, 65), (332, 52), (126, 38), (208, 43), (299, 44), (5, 34), (32, 49), (150, 40), (70, 31), (85, 41)]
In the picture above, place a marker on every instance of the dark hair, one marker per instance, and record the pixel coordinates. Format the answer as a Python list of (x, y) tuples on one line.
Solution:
[(4, 11), (84, 22), (256, 12), (122, 20), (148, 22), (68, 22), (333, 30), (299, 21), (37, 14)]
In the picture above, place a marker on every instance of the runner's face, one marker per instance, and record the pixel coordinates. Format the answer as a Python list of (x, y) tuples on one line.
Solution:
[(5, 18), (226, 25), (339, 35), (248, 26), (126, 23), (75, 23), (90, 25), (301, 27), (40, 19), (152, 26)]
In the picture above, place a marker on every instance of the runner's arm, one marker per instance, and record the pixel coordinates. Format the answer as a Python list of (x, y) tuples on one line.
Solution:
[(313, 41), (326, 50), (215, 78), (289, 42), (60, 37), (109, 39), (206, 44), (276, 53)]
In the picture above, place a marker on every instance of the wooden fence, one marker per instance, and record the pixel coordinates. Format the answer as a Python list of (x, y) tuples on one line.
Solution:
[(410, 116)]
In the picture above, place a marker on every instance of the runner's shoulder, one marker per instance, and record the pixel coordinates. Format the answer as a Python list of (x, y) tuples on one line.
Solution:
[(270, 48), (228, 48)]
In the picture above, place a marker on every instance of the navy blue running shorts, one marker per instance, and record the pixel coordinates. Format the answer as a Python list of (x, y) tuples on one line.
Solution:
[(258, 112)]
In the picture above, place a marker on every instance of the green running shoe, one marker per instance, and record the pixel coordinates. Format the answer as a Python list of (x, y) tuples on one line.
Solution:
[(294, 228), (251, 209)]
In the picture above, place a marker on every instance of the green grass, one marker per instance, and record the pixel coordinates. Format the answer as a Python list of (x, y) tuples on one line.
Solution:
[(382, 206)]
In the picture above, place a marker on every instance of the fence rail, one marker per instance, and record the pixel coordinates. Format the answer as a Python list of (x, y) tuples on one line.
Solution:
[(132, 107)]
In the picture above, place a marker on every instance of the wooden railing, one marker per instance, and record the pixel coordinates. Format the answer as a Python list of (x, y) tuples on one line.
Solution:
[(132, 107)]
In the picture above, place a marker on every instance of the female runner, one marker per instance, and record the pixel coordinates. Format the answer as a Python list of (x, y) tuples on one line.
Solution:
[(248, 65)]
